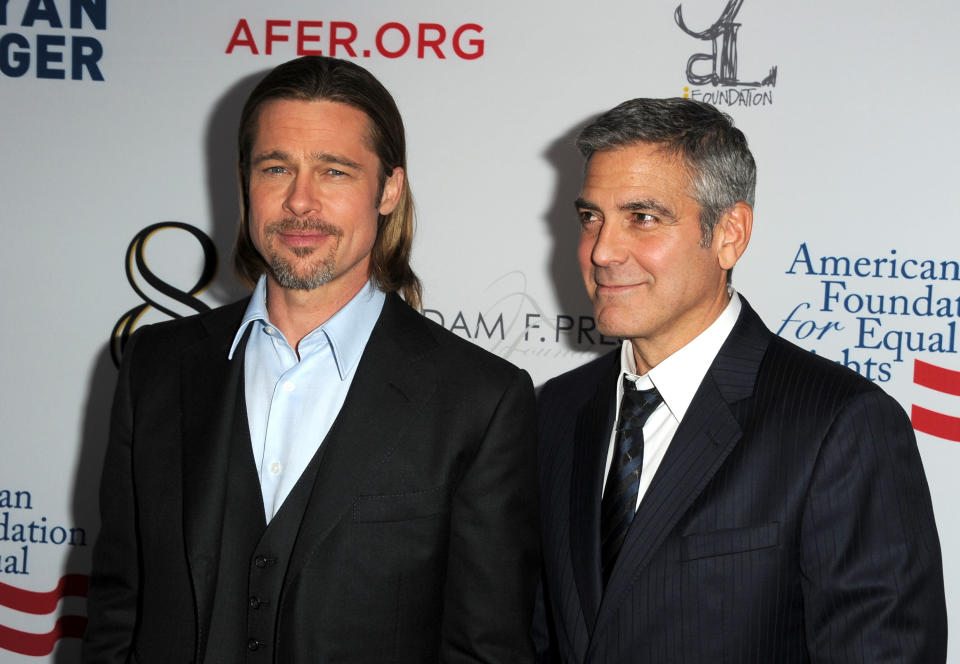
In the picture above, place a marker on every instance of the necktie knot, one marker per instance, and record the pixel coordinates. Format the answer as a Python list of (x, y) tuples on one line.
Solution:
[(637, 405)]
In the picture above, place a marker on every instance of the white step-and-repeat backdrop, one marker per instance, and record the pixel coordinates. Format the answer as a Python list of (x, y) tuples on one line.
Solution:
[(118, 122)]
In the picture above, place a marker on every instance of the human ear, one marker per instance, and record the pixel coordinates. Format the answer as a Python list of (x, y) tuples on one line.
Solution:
[(732, 234), (392, 187)]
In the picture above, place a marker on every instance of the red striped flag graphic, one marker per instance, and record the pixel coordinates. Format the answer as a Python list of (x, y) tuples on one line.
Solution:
[(42, 603), (942, 380)]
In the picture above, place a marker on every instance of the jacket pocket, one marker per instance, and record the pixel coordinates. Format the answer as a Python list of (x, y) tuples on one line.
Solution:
[(402, 506), (725, 542)]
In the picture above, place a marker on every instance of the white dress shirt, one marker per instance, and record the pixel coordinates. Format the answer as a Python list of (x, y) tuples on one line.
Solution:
[(677, 378)]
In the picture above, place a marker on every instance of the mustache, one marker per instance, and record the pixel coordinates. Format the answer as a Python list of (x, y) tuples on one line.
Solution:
[(292, 224)]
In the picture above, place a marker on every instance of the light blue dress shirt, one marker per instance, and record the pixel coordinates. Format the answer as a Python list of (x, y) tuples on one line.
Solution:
[(291, 402)]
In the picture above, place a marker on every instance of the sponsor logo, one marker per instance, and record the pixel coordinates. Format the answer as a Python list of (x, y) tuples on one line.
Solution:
[(345, 39), (719, 68), (880, 312), (42, 603), (882, 309), (163, 296), (513, 325), (54, 39), (21, 532), (943, 380)]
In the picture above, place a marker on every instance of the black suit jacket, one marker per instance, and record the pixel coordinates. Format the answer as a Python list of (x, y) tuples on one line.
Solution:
[(790, 520), (419, 542)]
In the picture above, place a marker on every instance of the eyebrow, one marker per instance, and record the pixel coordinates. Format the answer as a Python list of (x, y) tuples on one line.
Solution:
[(322, 157), (643, 205)]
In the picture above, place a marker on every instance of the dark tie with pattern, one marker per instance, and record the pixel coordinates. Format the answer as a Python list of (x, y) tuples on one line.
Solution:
[(623, 482)]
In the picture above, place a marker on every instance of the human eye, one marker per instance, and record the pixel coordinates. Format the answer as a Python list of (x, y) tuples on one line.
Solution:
[(274, 170), (588, 217), (335, 172), (644, 219)]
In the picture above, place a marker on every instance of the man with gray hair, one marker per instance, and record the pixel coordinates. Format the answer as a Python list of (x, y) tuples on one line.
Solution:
[(710, 492)]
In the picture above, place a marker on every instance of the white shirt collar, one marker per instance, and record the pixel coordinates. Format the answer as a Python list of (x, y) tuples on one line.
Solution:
[(346, 331), (678, 377)]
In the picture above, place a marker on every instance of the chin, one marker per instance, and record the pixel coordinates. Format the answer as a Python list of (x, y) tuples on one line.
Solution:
[(610, 327)]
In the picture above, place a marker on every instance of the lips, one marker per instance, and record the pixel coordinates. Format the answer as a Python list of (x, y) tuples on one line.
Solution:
[(302, 238), (303, 233), (613, 287)]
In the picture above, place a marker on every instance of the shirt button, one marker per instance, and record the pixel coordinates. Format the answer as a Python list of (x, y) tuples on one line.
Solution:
[(269, 330), (275, 468), (288, 386)]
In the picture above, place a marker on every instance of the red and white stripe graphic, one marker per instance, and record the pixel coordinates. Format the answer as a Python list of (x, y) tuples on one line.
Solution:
[(42, 603), (946, 381)]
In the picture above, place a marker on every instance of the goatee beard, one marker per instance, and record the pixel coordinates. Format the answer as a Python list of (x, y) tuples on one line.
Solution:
[(305, 276)]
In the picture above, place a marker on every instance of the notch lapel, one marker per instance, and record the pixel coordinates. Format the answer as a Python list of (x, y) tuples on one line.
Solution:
[(706, 436), (388, 392), (593, 428)]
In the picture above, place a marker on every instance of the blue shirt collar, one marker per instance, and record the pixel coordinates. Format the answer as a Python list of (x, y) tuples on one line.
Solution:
[(347, 330)]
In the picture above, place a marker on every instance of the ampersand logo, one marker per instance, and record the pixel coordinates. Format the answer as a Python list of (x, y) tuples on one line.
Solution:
[(718, 68), (136, 264)]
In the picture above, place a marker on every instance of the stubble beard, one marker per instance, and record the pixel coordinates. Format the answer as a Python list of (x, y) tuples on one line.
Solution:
[(305, 275)]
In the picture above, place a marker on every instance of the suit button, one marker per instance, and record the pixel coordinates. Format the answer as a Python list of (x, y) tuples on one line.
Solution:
[(260, 562), (255, 603), (253, 644)]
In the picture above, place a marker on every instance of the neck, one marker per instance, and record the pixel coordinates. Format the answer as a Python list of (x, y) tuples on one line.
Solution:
[(297, 313), (651, 351)]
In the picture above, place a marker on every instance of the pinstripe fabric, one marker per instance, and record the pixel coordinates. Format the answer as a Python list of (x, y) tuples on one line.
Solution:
[(789, 521)]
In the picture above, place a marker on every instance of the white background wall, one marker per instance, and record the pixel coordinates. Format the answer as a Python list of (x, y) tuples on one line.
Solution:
[(856, 149)]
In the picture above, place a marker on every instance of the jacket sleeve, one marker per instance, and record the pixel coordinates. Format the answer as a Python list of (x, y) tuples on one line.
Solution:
[(493, 559), (113, 592), (870, 556)]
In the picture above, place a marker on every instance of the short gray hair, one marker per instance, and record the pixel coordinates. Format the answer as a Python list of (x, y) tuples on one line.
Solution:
[(714, 152)]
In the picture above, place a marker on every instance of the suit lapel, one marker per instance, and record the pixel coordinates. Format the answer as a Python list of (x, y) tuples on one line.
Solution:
[(704, 439), (388, 391), (593, 428), (210, 387)]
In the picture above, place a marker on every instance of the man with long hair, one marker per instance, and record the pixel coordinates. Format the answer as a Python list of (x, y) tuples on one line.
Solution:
[(317, 473)]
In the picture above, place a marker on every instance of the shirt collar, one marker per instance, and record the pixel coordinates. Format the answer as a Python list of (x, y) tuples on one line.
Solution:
[(347, 330), (256, 310), (678, 377)]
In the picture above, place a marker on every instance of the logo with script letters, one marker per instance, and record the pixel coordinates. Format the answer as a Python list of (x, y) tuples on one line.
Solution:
[(155, 292), (713, 73)]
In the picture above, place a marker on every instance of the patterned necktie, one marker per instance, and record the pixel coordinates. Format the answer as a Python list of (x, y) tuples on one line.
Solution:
[(623, 482)]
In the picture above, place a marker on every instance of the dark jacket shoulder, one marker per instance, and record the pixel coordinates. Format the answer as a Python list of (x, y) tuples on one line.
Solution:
[(443, 345), (171, 336), (573, 388)]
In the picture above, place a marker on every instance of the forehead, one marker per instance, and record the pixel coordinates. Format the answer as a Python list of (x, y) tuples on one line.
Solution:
[(295, 120), (640, 168)]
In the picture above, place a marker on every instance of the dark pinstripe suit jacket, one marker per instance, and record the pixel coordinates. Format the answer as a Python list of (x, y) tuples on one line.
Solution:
[(790, 520)]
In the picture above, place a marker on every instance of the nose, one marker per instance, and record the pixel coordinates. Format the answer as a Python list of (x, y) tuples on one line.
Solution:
[(608, 245), (303, 197)]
